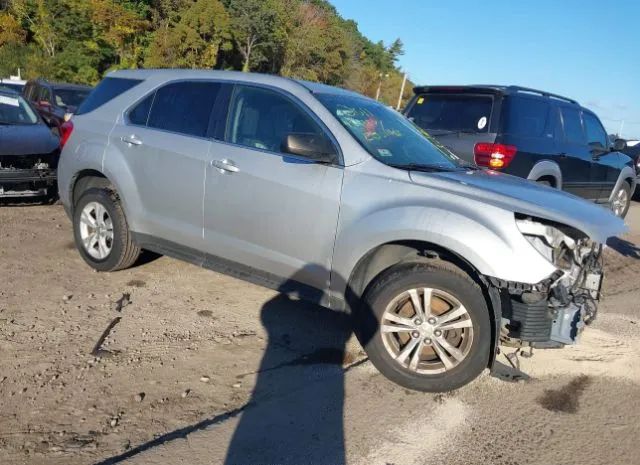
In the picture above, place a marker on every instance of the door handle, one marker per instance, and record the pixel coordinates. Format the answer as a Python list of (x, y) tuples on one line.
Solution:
[(131, 140), (225, 165)]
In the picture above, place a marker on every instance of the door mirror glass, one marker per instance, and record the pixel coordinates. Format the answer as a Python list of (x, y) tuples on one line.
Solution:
[(619, 145), (312, 146), (597, 149)]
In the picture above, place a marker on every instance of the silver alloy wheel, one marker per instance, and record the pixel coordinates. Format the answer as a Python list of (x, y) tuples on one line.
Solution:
[(427, 330), (96, 230), (620, 202)]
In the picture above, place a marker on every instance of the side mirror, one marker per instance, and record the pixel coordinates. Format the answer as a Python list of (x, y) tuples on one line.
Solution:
[(619, 145), (597, 149), (312, 146)]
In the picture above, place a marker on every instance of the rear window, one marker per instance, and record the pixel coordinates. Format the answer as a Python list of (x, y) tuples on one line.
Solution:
[(467, 113), (528, 117), (107, 90)]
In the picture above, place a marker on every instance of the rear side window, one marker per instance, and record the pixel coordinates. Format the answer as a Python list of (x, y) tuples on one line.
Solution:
[(596, 135), (184, 107), (44, 95), (527, 117), (468, 113), (573, 131), (107, 90), (139, 115)]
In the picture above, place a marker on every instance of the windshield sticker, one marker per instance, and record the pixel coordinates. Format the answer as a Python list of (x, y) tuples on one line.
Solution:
[(9, 101), (420, 101), (385, 153), (482, 122)]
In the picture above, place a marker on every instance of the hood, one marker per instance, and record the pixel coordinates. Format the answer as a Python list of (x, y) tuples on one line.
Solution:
[(30, 139), (522, 196)]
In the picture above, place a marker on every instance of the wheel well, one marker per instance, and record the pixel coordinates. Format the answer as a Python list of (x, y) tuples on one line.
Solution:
[(550, 179), (87, 179), (387, 255), (384, 256)]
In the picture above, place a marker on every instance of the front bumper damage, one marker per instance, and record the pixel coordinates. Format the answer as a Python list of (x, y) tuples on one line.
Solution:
[(28, 175), (554, 312)]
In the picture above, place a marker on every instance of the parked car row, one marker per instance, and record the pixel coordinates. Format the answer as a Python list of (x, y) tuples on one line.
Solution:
[(31, 116), (531, 134), (29, 150), (333, 197)]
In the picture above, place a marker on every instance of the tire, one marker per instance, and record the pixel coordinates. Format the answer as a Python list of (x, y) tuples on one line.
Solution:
[(446, 281), (622, 200), (122, 252)]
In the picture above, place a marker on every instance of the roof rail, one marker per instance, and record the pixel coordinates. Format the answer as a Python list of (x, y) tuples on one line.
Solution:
[(540, 92)]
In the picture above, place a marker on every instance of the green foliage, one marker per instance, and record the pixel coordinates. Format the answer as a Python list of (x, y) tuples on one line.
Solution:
[(80, 40)]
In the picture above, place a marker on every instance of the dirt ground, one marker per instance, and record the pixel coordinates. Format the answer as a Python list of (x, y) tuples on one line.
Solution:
[(202, 368)]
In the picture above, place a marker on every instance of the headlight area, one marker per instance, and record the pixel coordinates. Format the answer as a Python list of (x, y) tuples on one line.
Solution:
[(553, 312)]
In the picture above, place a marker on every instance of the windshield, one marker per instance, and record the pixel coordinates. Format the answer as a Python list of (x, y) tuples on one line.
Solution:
[(66, 98), (16, 87), (15, 110), (386, 134), (456, 113)]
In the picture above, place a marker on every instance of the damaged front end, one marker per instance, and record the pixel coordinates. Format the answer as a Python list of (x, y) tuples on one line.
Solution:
[(28, 175), (554, 312)]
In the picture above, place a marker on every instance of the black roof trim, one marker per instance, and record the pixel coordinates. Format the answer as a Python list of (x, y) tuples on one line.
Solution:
[(490, 89)]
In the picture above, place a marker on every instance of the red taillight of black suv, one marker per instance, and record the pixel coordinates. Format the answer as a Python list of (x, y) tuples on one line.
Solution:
[(65, 132), (494, 156)]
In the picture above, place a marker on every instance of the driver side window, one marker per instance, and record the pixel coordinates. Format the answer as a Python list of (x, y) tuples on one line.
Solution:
[(260, 118)]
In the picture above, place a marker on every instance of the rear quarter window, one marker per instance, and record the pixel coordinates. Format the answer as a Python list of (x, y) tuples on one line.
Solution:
[(106, 91), (527, 117), (452, 112)]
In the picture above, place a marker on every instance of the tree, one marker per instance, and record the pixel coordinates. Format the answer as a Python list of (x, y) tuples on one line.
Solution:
[(201, 31), (316, 47), (11, 31), (257, 29), (120, 28)]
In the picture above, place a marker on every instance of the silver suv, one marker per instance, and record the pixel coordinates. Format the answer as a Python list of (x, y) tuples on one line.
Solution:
[(325, 194)]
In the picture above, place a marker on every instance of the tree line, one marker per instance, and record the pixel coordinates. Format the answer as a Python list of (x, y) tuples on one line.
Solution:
[(80, 40)]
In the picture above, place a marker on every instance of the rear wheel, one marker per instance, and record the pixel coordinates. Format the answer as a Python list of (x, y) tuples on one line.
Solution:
[(426, 326), (101, 232), (621, 200)]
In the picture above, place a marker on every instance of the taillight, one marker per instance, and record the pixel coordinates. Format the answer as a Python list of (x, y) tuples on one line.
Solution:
[(495, 156), (65, 132)]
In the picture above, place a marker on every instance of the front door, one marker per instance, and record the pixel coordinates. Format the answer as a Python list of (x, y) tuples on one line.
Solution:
[(605, 170), (576, 160), (164, 141), (273, 212)]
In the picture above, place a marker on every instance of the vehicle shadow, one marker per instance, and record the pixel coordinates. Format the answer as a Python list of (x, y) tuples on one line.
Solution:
[(296, 410), (624, 247)]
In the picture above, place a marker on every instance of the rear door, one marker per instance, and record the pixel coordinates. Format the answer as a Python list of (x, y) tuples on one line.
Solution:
[(575, 158), (605, 169), (265, 209), (457, 120), (529, 123), (164, 140)]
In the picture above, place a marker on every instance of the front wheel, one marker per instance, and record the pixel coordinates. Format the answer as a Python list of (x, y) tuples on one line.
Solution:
[(426, 326), (101, 232), (621, 200)]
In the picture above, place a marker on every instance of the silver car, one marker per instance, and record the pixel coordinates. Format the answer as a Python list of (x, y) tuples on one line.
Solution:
[(325, 194)]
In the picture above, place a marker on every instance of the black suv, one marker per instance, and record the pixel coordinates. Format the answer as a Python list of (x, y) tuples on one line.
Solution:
[(528, 133), (54, 100)]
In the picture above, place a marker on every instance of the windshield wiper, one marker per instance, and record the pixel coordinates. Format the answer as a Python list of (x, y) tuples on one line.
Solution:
[(448, 132), (423, 167)]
